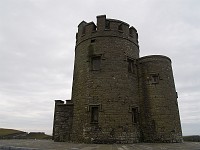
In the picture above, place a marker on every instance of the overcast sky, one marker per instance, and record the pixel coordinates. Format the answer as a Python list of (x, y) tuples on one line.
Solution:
[(37, 40)]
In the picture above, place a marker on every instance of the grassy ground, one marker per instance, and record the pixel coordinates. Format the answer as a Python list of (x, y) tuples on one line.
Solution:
[(38, 136), (4, 132), (12, 134)]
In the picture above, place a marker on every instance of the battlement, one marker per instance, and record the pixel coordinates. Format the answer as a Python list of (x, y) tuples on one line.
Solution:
[(106, 27), (63, 116), (61, 102)]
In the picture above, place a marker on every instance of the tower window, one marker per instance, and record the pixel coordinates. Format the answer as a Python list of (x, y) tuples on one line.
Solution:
[(131, 66), (107, 25), (135, 115), (96, 62), (94, 114), (154, 78)]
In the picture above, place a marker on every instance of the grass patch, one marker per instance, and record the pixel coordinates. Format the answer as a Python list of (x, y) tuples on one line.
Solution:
[(4, 132), (17, 134), (38, 135)]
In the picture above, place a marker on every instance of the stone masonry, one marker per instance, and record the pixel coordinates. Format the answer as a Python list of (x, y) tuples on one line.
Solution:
[(117, 96)]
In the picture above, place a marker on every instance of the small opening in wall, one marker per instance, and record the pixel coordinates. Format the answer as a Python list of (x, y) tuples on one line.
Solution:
[(154, 78), (94, 114), (96, 62), (131, 66), (135, 115), (93, 40)]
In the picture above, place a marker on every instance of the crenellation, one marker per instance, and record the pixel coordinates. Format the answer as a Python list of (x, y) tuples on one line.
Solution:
[(106, 27), (133, 33), (101, 22), (59, 102), (90, 28), (81, 29), (125, 29)]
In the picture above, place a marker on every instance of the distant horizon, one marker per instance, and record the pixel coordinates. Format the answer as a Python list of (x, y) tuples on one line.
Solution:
[(26, 131)]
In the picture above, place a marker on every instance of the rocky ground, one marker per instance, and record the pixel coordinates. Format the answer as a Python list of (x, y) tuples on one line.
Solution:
[(50, 145)]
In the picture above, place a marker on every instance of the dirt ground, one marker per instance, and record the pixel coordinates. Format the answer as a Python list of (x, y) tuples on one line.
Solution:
[(50, 145)]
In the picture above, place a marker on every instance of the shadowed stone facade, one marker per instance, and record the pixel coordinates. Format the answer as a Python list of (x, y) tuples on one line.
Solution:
[(117, 97)]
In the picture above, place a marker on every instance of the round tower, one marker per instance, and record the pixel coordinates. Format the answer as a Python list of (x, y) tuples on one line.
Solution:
[(105, 86), (160, 121)]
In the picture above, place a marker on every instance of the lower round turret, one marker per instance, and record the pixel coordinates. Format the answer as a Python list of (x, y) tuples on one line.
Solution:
[(160, 121)]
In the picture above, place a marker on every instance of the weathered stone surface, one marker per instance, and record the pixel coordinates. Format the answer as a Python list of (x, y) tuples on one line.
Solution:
[(63, 116), (117, 97), (160, 120)]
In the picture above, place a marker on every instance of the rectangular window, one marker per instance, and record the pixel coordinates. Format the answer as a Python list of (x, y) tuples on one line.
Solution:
[(94, 114), (135, 118), (96, 62), (154, 78), (131, 66)]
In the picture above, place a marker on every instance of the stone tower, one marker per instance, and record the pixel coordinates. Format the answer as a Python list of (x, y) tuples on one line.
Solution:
[(159, 113), (117, 97)]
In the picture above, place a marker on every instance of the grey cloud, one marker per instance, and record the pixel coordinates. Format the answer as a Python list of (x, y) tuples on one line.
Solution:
[(191, 128)]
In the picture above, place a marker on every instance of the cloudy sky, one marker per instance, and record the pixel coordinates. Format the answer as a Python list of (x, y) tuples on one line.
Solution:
[(37, 40)]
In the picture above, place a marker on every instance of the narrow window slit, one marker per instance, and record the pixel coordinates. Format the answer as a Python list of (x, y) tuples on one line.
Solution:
[(135, 115), (94, 114), (96, 62), (131, 65)]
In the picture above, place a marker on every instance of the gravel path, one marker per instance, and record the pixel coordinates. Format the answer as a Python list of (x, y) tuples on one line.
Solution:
[(50, 145)]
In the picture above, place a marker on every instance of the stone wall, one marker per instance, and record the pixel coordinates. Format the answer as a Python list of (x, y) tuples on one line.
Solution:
[(160, 121), (111, 88), (63, 117)]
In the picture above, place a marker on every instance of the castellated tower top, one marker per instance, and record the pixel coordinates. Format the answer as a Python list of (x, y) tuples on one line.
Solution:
[(106, 27)]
